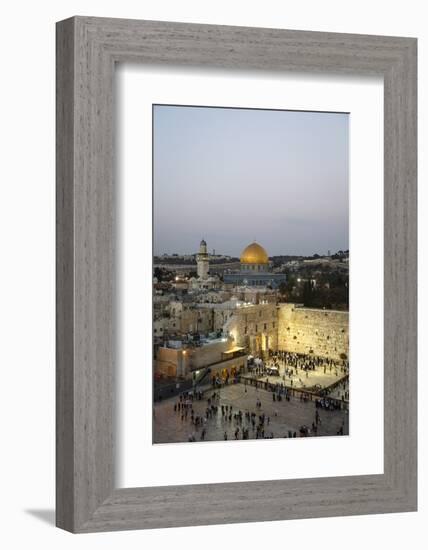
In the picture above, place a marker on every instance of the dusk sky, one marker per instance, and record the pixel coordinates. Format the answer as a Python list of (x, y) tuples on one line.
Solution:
[(232, 176)]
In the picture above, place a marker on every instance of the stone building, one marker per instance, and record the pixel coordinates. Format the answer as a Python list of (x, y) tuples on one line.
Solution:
[(187, 317), (207, 283), (211, 357)]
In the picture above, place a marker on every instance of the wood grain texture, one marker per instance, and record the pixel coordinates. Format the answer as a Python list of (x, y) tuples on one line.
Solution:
[(87, 50), (64, 276)]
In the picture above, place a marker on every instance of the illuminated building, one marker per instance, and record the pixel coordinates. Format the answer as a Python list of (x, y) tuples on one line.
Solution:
[(255, 269)]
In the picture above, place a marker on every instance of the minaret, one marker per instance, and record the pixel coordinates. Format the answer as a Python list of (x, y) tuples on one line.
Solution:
[(202, 260)]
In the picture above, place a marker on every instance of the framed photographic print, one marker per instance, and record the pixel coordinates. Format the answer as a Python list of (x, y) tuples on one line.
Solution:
[(236, 274)]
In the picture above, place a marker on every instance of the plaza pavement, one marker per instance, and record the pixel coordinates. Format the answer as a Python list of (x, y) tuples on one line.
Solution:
[(168, 427)]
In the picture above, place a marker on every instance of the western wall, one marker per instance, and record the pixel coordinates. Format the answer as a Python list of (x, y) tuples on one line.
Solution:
[(320, 332)]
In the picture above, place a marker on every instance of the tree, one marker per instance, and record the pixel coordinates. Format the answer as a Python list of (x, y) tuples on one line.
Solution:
[(308, 294), (283, 287), (158, 274), (162, 274)]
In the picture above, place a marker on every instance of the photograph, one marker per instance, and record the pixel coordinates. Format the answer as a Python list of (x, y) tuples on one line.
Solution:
[(250, 274)]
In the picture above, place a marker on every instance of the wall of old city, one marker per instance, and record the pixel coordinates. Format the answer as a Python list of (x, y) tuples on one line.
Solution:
[(180, 362), (171, 362), (322, 332), (208, 353), (184, 318), (221, 316), (195, 320), (255, 327)]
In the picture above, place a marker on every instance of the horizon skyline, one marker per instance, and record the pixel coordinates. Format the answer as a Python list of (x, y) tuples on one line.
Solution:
[(220, 253), (239, 175)]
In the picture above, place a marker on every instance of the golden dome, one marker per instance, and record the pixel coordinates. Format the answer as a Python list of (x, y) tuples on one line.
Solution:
[(254, 254)]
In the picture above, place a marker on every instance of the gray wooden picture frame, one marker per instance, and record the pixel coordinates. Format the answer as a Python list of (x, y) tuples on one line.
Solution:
[(87, 50)]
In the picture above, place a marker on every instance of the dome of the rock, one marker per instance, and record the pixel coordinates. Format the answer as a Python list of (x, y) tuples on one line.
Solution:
[(254, 254)]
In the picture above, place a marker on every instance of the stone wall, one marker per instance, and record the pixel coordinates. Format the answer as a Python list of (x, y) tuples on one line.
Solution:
[(208, 353), (254, 327), (260, 327), (322, 332), (186, 318), (171, 362), (236, 364), (180, 362), (221, 316)]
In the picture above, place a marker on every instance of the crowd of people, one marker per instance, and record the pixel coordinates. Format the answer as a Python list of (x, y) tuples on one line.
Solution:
[(308, 362), (237, 423), (339, 390), (328, 404), (295, 369), (256, 424)]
